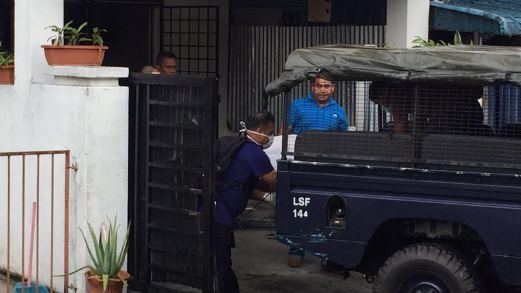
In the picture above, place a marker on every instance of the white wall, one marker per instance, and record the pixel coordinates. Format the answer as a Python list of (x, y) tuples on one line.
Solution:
[(93, 124), (90, 121), (406, 19)]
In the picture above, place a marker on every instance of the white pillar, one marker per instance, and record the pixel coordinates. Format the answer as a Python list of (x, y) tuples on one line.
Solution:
[(406, 19), (31, 19)]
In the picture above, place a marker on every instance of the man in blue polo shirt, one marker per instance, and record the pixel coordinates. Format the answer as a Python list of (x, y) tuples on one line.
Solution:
[(249, 164), (318, 110)]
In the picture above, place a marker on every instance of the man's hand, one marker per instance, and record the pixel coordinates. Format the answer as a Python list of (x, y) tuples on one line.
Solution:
[(263, 186), (270, 178)]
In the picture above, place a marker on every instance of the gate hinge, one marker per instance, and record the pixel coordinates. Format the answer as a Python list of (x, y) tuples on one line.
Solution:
[(74, 166)]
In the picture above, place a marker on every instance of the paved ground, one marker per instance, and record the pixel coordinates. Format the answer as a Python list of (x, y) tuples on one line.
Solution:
[(3, 286), (260, 263)]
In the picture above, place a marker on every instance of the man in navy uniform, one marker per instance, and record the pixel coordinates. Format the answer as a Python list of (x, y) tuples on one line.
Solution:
[(249, 164)]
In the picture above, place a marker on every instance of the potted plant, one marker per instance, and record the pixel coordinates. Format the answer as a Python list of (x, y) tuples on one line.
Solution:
[(6, 68), (104, 273), (72, 46)]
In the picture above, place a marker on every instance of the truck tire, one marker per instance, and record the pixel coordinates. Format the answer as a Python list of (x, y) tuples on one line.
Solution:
[(427, 267)]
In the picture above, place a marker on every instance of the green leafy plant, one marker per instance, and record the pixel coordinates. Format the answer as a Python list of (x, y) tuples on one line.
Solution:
[(421, 43), (58, 38), (6, 58), (96, 36), (73, 35), (70, 35), (107, 260)]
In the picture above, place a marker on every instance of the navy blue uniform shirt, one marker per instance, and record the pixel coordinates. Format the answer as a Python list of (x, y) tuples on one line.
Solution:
[(249, 162)]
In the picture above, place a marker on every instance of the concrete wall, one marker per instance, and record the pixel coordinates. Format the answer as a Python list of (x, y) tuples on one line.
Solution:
[(406, 19), (83, 111)]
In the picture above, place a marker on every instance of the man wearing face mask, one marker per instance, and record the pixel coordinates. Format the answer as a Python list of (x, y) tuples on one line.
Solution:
[(249, 164)]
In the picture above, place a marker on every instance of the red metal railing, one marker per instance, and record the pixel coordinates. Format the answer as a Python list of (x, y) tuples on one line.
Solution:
[(50, 200)]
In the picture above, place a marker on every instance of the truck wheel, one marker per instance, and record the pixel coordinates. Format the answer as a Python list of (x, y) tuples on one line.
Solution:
[(425, 268)]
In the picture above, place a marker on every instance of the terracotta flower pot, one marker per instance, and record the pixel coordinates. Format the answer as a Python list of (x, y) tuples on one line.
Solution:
[(95, 284), (74, 55), (7, 74)]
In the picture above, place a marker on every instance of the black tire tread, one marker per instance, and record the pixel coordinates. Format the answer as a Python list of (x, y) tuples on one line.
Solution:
[(434, 252)]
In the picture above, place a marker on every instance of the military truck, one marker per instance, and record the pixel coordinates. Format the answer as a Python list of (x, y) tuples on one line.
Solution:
[(423, 193)]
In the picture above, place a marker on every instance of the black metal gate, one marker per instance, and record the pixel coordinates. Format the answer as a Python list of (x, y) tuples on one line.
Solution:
[(173, 129)]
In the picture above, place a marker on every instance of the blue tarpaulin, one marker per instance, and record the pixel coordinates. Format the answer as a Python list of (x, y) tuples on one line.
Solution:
[(498, 17)]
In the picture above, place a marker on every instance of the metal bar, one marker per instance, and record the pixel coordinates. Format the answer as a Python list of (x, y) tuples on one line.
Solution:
[(286, 125), (31, 153), (211, 99), (217, 40), (417, 115), (8, 223), (23, 223), (145, 181), (37, 220), (189, 40), (66, 244), (52, 222), (134, 227), (497, 112)]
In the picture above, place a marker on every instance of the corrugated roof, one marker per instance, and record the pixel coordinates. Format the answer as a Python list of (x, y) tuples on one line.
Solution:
[(501, 17)]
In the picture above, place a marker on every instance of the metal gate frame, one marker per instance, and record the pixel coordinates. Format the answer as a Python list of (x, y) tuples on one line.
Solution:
[(164, 92), (21, 233)]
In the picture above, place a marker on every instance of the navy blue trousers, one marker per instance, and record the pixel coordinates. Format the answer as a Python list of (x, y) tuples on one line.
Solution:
[(223, 243)]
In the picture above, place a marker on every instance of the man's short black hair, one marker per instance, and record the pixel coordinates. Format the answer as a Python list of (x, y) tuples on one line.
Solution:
[(259, 119), (163, 55), (321, 77)]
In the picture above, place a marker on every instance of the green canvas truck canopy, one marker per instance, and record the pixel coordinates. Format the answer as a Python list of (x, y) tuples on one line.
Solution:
[(465, 64)]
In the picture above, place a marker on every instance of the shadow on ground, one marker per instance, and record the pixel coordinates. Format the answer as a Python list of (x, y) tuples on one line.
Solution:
[(260, 264), (260, 260)]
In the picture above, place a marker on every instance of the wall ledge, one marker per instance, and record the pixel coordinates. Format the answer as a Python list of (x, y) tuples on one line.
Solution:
[(93, 76)]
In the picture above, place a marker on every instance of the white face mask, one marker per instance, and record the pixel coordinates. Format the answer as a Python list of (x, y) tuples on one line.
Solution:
[(267, 144)]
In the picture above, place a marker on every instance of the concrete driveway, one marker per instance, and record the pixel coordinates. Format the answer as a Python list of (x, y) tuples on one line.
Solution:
[(260, 264)]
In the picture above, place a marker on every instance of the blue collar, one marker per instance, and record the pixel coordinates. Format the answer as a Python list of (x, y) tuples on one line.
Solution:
[(249, 140), (331, 101)]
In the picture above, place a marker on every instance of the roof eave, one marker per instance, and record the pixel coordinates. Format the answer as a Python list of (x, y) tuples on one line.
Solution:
[(506, 27)]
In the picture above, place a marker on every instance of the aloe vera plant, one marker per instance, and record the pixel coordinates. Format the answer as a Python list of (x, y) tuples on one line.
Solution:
[(107, 260)]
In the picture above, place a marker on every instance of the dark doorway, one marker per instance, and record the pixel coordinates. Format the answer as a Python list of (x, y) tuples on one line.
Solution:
[(7, 25), (129, 25)]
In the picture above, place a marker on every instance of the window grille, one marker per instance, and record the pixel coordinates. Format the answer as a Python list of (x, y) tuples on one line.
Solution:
[(191, 33), (473, 128)]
